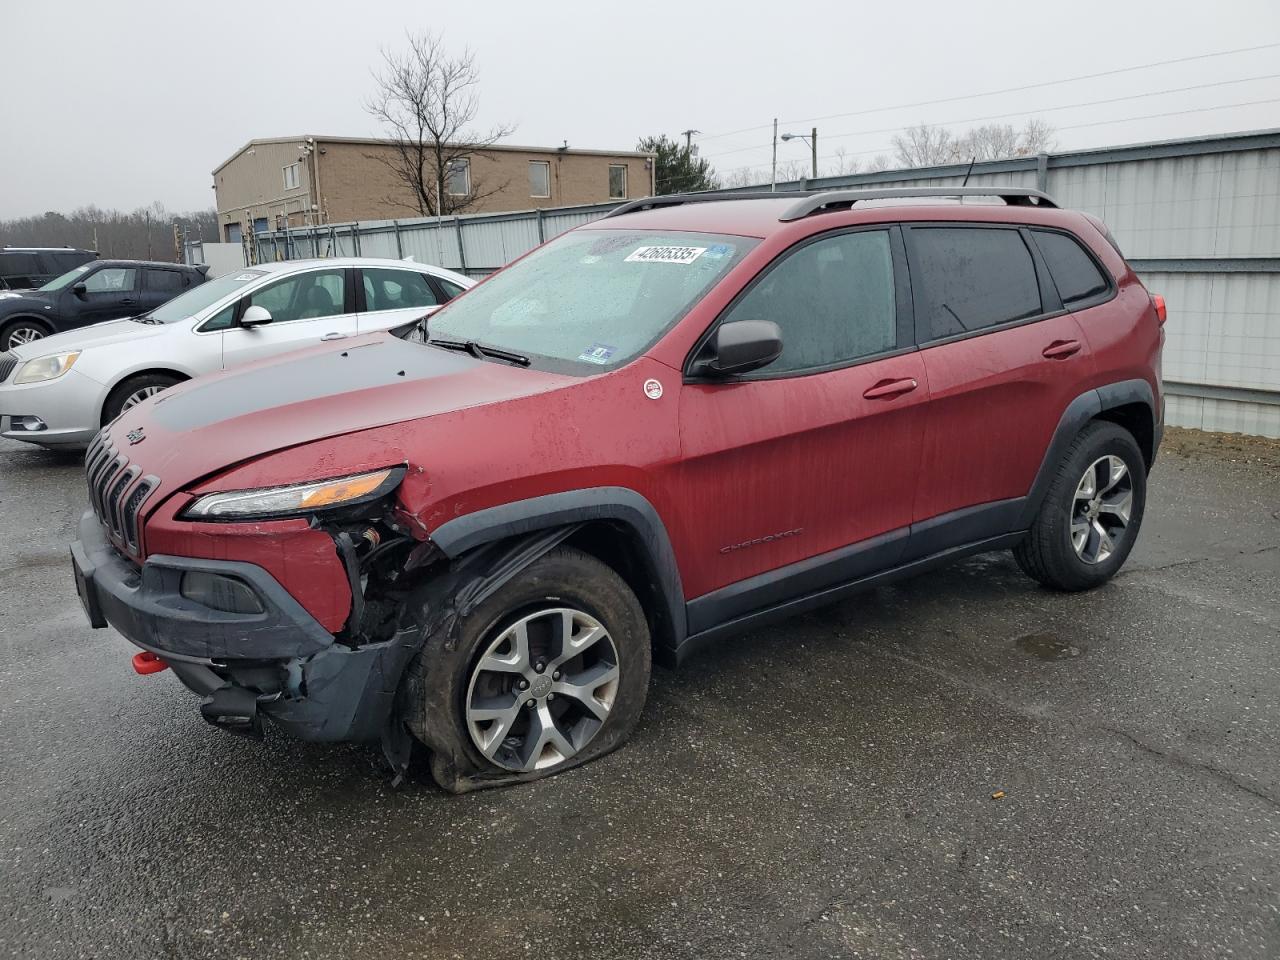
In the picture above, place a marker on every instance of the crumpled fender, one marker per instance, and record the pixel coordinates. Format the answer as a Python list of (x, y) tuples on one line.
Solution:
[(436, 611)]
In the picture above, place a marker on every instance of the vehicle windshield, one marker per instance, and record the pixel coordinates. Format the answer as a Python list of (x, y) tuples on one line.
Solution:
[(67, 278), (591, 300), (197, 298)]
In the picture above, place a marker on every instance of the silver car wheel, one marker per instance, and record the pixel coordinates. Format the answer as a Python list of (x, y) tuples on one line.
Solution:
[(20, 335), (542, 689), (1101, 509), (135, 398)]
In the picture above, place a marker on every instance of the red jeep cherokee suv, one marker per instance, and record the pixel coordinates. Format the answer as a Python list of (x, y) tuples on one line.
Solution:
[(661, 428)]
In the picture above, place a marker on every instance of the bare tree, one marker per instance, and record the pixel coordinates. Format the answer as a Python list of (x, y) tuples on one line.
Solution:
[(113, 233), (843, 165), (741, 177), (1037, 137), (926, 146), (427, 102)]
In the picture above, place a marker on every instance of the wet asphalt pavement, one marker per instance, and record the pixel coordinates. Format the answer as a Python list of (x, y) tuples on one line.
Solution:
[(822, 788)]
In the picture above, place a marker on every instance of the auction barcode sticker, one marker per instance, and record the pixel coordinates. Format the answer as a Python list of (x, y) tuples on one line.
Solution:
[(665, 254)]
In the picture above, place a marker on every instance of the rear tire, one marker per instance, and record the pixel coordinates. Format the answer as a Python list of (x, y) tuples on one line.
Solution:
[(1090, 517), (134, 391), (501, 699), (21, 331)]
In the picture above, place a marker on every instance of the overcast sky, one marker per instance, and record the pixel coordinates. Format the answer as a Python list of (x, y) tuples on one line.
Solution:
[(127, 102)]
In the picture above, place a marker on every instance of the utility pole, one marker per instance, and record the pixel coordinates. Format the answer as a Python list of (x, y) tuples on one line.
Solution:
[(773, 179), (688, 139), (813, 142)]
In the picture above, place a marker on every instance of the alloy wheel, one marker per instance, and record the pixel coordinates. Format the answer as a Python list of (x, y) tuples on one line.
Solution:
[(1101, 509), (542, 689), (142, 393), (20, 335)]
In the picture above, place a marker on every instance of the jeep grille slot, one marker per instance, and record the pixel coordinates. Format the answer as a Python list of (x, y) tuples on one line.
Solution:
[(116, 500), (131, 508), (7, 362)]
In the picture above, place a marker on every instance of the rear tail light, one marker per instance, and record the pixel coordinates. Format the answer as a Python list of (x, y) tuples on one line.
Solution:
[(1162, 313)]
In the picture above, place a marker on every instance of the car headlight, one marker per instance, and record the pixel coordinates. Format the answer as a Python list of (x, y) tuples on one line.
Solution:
[(296, 499), (46, 368)]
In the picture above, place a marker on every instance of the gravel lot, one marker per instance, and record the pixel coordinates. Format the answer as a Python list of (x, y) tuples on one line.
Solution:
[(823, 788)]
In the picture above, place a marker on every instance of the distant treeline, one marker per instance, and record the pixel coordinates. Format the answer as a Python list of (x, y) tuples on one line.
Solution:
[(146, 233)]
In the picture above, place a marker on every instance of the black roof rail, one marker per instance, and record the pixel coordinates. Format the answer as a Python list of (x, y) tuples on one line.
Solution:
[(843, 199), (678, 199)]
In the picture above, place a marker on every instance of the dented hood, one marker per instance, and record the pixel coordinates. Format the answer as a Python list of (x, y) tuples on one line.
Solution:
[(212, 423)]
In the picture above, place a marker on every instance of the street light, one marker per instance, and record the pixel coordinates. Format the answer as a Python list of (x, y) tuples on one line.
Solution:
[(812, 140)]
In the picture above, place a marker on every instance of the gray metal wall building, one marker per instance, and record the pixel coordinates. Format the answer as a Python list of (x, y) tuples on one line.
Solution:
[(1199, 220)]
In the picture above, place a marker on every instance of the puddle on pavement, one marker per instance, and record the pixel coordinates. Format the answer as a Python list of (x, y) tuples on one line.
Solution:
[(1047, 646)]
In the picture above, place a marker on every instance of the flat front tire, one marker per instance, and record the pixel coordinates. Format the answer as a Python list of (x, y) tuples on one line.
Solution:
[(1090, 517), (548, 673)]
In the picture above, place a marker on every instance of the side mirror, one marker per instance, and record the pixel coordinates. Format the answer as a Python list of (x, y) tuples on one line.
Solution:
[(80, 290), (255, 316), (740, 346)]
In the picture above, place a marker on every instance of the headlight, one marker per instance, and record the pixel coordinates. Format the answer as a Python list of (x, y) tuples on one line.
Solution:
[(45, 368), (298, 499)]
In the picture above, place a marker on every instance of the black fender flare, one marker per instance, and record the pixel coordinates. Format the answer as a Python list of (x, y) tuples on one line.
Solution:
[(35, 318), (1088, 406), (571, 508)]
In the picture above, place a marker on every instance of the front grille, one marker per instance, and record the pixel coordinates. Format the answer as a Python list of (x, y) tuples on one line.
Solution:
[(7, 362), (114, 495)]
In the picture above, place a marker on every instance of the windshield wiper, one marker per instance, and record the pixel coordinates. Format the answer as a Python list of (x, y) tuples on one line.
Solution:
[(480, 351), (145, 318)]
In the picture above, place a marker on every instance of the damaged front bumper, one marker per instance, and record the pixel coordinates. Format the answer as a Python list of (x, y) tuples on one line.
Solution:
[(277, 661)]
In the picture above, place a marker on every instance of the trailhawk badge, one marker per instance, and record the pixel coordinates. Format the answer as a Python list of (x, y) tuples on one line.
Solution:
[(652, 389), (135, 436)]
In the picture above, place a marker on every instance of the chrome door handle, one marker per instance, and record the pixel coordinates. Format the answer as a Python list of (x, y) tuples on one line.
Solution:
[(888, 389), (334, 336)]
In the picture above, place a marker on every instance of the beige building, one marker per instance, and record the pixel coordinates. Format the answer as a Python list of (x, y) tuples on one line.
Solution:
[(313, 180)]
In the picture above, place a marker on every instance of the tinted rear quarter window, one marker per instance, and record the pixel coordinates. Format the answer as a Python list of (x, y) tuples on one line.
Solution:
[(163, 281), (968, 278), (60, 263), (1077, 276), (19, 265)]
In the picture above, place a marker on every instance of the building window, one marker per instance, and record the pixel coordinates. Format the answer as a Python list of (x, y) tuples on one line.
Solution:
[(457, 178), (617, 181), (539, 178), (291, 176)]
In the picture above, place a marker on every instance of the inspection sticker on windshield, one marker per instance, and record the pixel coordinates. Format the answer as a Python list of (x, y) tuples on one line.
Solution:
[(665, 254), (597, 353)]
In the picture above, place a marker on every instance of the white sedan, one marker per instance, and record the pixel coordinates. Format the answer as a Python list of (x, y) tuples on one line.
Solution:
[(59, 391)]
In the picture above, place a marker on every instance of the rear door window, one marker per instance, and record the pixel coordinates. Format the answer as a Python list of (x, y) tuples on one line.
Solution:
[(966, 279), (162, 281), (1077, 276), (396, 290)]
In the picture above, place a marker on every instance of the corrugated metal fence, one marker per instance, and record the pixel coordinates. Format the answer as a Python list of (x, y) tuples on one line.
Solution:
[(1198, 219), (476, 244)]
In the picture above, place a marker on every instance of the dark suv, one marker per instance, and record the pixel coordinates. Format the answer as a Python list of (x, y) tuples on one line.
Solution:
[(662, 428), (91, 293), (25, 268)]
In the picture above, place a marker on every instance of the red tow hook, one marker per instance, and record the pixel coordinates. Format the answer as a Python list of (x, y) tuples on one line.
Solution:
[(147, 662)]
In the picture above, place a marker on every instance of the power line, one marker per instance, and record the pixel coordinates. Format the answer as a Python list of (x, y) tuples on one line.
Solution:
[(1019, 113), (1076, 126), (992, 93)]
